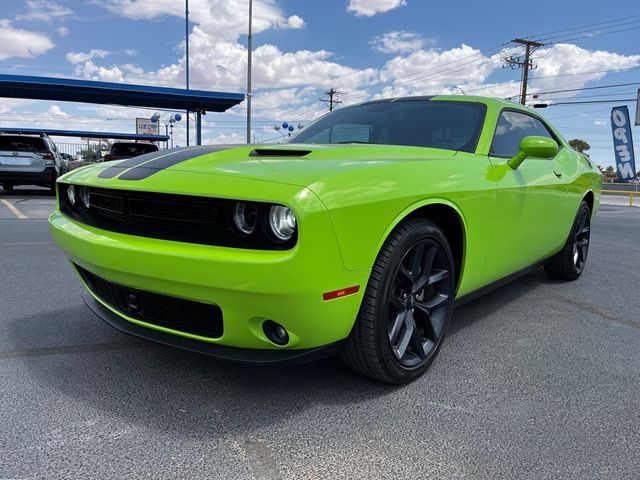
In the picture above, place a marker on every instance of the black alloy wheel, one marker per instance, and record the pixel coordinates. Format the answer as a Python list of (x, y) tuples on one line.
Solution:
[(418, 303), (581, 236), (406, 306), (569, 263)]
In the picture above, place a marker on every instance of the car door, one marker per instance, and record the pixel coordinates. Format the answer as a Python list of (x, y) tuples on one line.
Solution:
[(531, 200)]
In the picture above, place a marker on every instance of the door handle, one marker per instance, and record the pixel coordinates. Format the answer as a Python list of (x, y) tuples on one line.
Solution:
[(557, 173)]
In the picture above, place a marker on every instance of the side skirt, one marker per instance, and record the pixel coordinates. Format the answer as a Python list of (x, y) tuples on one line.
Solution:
[(498, 283)]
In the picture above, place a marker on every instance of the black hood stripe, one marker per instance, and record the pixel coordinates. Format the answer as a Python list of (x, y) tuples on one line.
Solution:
[(131, 162), (146, 169)]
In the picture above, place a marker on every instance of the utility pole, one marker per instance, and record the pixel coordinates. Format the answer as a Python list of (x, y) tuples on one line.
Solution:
[(515, 61), (249, 51), (332, 100), (186, 17)]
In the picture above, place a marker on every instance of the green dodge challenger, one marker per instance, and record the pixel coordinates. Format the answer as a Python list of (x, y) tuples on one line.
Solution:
[(357, 237)]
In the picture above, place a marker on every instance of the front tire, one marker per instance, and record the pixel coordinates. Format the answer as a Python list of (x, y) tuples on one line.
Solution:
[(407, 305), (569, 263)]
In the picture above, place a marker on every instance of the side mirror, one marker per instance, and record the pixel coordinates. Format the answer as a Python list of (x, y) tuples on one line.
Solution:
[(534, 146)]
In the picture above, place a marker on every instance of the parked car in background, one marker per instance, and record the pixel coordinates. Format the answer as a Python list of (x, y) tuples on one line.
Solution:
[(122, 150), (30, 160)]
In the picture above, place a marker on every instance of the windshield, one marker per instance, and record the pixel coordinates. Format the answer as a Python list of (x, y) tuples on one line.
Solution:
[(132, 148), (23, 144), (452, 125)]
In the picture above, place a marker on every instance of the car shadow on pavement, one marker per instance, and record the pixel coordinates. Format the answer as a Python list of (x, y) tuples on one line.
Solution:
[(173, 391)]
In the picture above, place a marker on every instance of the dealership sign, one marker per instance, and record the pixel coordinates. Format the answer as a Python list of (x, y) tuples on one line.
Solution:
[(144, 126), (623, 144)]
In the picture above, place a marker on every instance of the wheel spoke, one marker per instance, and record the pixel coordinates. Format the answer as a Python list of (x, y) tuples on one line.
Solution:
[(582, 223), (416, 260), (437, 300), (407, 333), (397, 326), (429, 278), (425, 317)]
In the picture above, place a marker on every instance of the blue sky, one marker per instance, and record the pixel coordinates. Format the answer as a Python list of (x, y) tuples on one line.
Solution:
[(363, 48)]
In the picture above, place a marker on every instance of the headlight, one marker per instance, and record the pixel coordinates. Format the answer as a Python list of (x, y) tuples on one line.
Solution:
[(71, 196), (245, 217), (282, 222), (85, 200)]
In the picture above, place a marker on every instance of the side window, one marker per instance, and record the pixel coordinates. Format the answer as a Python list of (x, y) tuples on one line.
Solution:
[(512, 128)]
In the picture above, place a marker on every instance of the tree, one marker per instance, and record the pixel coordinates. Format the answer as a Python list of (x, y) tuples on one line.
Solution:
[(610, 169), (580, 146)]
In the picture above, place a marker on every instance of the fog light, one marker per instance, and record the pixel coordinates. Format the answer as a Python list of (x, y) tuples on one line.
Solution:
[(275, 332)]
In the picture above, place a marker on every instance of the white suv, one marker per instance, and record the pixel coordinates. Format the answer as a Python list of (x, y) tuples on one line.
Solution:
[(30, 160)]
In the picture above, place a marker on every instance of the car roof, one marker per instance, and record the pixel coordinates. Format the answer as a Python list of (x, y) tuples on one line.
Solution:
[(27, 135), (497, 102)]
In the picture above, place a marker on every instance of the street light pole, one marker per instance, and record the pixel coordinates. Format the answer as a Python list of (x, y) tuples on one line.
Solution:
[(186, 15), (249, 51)]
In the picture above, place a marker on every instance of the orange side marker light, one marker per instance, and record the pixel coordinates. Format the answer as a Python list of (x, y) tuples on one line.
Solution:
[(343, 292)]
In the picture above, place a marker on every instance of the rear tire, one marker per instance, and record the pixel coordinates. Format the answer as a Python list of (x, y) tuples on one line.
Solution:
[(406, 307), (568, 263)]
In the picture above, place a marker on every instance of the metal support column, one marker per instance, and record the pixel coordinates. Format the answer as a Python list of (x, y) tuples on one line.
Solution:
[(198, 127)]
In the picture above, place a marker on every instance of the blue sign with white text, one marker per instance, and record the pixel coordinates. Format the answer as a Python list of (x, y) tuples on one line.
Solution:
[(623, 144)]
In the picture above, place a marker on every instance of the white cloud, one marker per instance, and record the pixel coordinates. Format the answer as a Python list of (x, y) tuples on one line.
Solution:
[(44, 11), (426, 72), (21, 43), (398, 42), (62, 31), (368, 8), (91, 71), (80, 57), (226, 138), (220, 19), (55, 110), (294, 21), (599, 122), (566, 65)]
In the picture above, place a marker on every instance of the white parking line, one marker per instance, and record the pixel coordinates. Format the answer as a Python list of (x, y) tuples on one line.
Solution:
[(14, 210)]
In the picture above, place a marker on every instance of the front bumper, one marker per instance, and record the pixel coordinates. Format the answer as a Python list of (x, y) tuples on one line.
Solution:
[(249, 286), (239, 355)]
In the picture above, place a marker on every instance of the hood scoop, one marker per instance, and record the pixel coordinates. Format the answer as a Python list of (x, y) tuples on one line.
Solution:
[(278, 152)]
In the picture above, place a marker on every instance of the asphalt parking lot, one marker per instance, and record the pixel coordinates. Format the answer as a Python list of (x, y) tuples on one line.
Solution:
[(538, 379)]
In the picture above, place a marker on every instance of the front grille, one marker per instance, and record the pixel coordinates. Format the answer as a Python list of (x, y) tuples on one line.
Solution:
[(175, 313), (181, 218)]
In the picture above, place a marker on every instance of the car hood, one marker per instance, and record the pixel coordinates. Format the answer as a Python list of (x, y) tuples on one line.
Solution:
[(294, 164)]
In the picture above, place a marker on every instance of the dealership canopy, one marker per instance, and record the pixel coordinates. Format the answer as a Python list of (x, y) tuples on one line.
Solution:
[(85, 134), (107, 93)]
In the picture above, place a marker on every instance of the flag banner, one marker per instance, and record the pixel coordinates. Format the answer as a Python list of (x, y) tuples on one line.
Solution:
[(623, 144)]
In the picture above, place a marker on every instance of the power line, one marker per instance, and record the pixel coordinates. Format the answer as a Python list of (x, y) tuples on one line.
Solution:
[(595, 32), (583, 37), (596, 101), (583, 26)]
